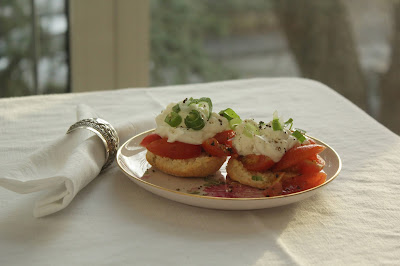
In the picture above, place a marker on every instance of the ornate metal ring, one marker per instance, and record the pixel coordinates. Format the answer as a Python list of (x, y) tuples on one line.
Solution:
[(105, 132)]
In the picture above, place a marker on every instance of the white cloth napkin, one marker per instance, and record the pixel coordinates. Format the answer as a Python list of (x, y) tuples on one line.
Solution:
[(63, 167)]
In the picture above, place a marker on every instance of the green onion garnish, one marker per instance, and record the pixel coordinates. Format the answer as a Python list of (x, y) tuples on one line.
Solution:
[(206, 100), (289, 122), (173, 119), (276, 124), (176, 108), (203, 102), (250, 130), (299, 136), (194, 120), (229, 114), (257, 178), (234, 122), (232, 116)]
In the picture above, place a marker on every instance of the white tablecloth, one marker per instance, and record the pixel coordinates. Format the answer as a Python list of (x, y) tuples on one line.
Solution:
[(353, 220)]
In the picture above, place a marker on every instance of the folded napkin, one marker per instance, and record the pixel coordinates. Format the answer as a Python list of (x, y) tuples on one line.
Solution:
[(63, 167)]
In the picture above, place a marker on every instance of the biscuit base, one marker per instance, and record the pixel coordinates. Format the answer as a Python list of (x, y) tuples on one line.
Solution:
[(201, 166), (261, 180)]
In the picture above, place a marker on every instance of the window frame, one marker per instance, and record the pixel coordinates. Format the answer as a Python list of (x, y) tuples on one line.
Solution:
[(109, 44)]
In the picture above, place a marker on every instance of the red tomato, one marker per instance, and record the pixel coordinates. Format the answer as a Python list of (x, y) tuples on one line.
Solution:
[(148, 139), (303, 182), (174, 150), (225, 137), (297, 154), (214, 148), (257, 163), (311, 165), (311, 141)]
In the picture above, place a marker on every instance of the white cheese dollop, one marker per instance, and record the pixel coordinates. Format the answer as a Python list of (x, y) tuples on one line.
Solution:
[(213, 125), (263, 141)]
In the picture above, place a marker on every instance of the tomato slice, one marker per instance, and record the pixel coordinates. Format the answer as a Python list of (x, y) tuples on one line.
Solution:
[(257, 163), (225, 137), (214, 148), (148, 139), (174, 150), (303, 182), (311, 141), (311, 165), (297, 154)]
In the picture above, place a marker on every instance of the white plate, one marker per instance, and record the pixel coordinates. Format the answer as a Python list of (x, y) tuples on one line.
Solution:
[(215, 192)]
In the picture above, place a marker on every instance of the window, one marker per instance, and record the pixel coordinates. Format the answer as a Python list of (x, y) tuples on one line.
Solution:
[(33, 47), (55, 46), (352, 46), (51, 46)]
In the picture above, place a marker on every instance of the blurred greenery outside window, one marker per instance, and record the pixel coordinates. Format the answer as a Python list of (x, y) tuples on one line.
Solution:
[(352, 46), (33, 47)]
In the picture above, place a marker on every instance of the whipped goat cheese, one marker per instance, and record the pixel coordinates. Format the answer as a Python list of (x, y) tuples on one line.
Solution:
[(205, 125), (262, 139)]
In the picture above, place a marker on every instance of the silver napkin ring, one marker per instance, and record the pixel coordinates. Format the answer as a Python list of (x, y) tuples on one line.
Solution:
[(105, 132)]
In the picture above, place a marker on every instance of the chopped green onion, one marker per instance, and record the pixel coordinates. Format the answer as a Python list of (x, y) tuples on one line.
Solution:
[(173, 119), (289, 122), (250, 130), (234, 122), (229, 114), (299, 136), (176, 108), (192, 100), (205, 101), (194, 120), (276, 124), (257, 178), (232, 116)]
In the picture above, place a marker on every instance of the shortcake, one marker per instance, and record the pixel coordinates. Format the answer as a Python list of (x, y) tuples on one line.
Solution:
[(271, 155), (190, 140)]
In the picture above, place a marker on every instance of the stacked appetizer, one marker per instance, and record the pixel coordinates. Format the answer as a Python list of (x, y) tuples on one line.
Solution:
[(189, 140), (273, 157)]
